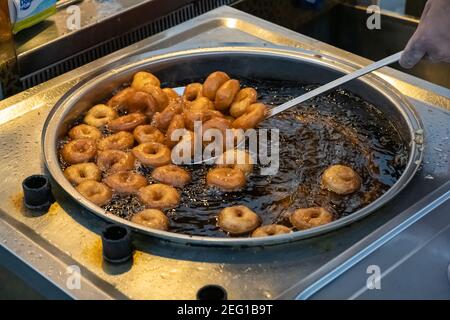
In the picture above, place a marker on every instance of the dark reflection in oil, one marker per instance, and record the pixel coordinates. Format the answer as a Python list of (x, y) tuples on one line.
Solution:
[(335, 128)]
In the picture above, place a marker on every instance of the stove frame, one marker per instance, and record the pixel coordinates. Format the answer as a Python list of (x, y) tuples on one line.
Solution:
[(45, 248)]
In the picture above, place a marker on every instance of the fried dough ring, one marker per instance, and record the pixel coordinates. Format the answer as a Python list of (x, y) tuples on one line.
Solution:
[(192, 91), (225, 94), (152, 218), (153, 154), (78, 151), (310, 217), (143, 78), (171, 94), (243, 99), (238, 220), (212, 83), (121, 140), (156, 92), (95, 191), (161, 120), (112, 161), (126, 182), (130, 100), (227, 179), (80, 172), (172, 175), (341, 179), (99, 115), (254, 114), (159, 196), (84, 131), (270, 230), (127, 122), (148, 133)]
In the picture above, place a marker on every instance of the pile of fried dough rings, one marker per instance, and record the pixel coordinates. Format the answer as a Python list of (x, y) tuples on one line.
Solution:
[(139, 121)]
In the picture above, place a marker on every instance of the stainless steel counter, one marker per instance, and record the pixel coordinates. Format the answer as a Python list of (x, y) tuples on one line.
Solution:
[(69, 236)]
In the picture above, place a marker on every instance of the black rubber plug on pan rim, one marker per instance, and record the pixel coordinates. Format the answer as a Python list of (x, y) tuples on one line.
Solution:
[(212, 292), (116, 241), (37, 192)]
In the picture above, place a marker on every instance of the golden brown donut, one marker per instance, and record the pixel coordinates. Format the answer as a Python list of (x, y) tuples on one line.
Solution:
[(254, 114), (120, 99), (237, 159), (126, 182), (227, 179), (219, 123), (310, 217), (201, 109), (141, 101), (100, 115), (131, 101), (78, 151), (238, 220), (341, 179), (127, 122), (270, 230), (200, 104), (171, 94), (226, 94), (115, 160), (212, 83), (85, 131), (80, 172), (151, 218), (192, 91), (143, 78), (161, 120), (159, 196), (156, 92), (243, 99), (191, 116), (95, 191), (121, 140), (148, 133), (172, 175), (153, 154), (176, 123)]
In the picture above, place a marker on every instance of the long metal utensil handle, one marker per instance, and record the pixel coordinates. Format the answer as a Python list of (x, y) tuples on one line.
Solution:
[(333, 84)]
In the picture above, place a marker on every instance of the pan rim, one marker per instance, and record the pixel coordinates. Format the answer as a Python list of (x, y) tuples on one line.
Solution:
[(63, 105)]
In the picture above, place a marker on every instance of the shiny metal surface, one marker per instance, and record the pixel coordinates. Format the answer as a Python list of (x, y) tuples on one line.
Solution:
[(299, 65), (69, 235), (404, 246), (54, 46)]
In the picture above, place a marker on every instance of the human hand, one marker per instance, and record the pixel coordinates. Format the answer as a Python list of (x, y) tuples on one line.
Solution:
[(432, 37)]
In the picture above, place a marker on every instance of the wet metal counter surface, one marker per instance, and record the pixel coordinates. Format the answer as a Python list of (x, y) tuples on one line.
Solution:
[(52, 245)]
